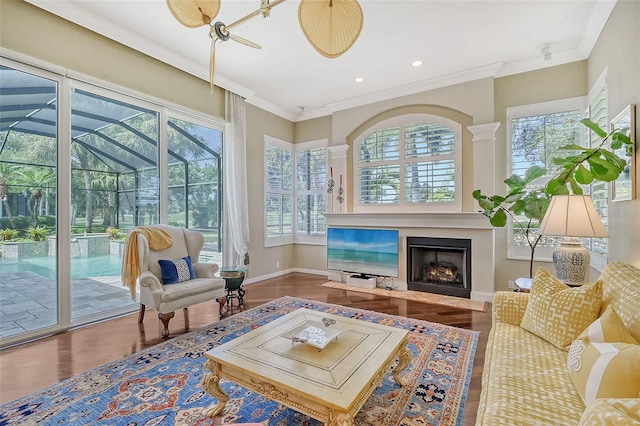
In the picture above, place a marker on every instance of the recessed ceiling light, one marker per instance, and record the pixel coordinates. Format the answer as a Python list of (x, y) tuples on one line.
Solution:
[(416, 63), (358, 79)]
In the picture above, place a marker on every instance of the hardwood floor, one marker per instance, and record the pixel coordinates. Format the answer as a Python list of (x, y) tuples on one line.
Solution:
[(32, 366)]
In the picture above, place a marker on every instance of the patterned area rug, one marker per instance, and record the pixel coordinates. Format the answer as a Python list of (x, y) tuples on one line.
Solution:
[(161, 385)]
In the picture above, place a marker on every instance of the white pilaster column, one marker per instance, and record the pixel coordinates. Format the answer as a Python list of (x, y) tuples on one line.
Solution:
[(338, 164), (484, 157)]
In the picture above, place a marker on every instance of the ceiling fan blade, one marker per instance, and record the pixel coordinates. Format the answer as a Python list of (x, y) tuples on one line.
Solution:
[(331, 27), (244, 41), (194, 13)]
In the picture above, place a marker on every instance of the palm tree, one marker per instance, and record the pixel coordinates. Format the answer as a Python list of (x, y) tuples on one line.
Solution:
[(5, 170), (35, 179)]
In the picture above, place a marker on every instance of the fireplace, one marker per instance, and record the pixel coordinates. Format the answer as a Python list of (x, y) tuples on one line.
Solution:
[(439, 265)]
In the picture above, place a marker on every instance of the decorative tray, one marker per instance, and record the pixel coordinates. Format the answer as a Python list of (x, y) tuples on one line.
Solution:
[(315, 333)]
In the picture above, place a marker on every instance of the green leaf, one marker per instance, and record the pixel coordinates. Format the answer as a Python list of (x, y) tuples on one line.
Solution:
[(613, 158), (477, 194), (499, 219), (572, 147), (497, 199), (621, 136), (518, 207), (583, 175), (533, 173), (561, 161), (556, 187), (575, 187), (512, 198), (594, 127), (603, 170), (486, 204), (535, 209), (616, 141), (552, 185), (514, 181)]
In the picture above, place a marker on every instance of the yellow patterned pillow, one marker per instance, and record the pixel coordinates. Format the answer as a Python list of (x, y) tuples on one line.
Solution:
[(559, 313), (607, 329), (622, 411), (604, 370)]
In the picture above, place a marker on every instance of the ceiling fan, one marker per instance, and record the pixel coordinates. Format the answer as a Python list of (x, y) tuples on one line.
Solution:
[(331, 26)]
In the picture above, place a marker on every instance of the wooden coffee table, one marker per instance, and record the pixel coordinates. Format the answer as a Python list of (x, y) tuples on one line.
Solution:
[(329, 384)]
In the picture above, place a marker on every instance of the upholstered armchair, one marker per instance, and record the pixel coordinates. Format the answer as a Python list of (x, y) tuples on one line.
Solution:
[(177, 284)]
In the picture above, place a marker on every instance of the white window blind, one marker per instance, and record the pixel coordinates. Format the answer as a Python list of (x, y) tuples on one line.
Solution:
[(597, 112), (311, 176), (295, 192), (409, 165), (535, 133), (278, 189)]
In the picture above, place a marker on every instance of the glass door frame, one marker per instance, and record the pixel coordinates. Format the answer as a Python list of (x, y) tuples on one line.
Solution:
[(66, 82)]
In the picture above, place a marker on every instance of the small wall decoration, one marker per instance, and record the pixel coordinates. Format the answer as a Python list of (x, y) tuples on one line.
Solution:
[(624, 187), (340, 194), (330, 186)]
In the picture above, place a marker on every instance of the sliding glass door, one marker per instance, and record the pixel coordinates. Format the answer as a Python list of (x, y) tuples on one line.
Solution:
[(195, 187), (29, 290), (114, 186), (80, 166)]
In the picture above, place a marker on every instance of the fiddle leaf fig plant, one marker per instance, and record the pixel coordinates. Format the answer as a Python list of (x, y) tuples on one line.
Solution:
[(521, 199), (526, 202), (604, 165)]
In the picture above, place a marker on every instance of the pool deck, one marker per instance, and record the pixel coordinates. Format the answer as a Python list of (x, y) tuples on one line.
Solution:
[(28, 301)]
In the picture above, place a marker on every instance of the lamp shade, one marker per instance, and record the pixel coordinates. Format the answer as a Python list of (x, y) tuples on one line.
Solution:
[(572, 216)]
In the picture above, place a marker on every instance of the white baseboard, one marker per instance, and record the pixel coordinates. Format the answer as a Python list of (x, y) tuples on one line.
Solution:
[(284, 272)]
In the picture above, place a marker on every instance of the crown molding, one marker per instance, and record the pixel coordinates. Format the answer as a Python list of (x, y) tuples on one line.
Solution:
[(595, 24), (74, 12), (411, 89)]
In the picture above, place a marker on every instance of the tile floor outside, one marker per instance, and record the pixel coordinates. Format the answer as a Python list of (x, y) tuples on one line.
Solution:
[(28, 301)]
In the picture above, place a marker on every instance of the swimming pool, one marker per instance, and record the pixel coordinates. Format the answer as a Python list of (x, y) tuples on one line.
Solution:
[(81, 267)]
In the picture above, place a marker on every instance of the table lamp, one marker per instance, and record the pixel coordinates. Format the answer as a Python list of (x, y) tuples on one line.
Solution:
[(573, 217)]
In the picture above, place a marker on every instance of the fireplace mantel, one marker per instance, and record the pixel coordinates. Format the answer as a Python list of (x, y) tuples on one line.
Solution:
[(450, 220), (436, 224)]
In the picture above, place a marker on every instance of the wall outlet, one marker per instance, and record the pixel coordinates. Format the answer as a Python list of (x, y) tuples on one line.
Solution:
[(512, 284), (277, 263)]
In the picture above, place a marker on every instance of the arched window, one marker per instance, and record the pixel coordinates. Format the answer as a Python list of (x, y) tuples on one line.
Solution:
[(409, 163)]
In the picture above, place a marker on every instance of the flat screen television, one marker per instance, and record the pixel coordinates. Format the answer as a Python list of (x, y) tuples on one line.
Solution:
[(367, 252)]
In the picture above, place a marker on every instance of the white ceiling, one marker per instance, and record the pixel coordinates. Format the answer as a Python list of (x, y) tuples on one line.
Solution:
[(457, 40)]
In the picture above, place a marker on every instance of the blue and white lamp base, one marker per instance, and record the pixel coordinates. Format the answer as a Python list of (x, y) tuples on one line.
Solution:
[(572, 261)]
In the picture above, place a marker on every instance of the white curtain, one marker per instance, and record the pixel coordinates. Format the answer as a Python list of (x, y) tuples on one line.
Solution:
[(235, 180)]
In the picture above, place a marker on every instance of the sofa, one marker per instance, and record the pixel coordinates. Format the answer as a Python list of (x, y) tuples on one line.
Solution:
[(533, 377)]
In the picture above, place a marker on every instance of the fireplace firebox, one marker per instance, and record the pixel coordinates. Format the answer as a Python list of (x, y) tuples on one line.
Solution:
[(439, 265)]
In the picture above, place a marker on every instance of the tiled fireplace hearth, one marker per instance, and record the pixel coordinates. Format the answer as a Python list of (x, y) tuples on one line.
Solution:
[(476, 271)]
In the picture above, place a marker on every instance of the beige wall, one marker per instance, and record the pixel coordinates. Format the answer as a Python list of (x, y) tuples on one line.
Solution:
[(312, 257), (468, 103), (565, 81), (32, 31), (259, 124), (618, 51)]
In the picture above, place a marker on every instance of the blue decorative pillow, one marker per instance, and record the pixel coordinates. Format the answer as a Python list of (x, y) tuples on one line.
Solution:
[(177, 271)]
